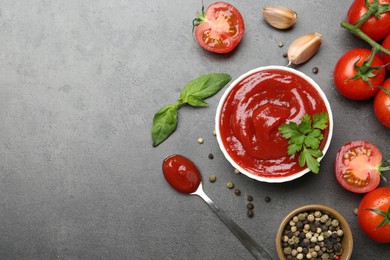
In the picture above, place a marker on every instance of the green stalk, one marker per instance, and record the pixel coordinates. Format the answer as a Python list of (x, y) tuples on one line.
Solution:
[(375, 9), (365, 37)]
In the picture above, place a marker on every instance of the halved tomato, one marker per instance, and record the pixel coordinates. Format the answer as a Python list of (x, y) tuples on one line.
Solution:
[(220, 29), (358, 166)]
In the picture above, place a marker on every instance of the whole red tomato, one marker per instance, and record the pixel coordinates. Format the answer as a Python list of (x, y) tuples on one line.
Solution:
[(385, 57), (220, 29), (374, 214), (358, 166), (382, 104), (350, 65), (376, 28)]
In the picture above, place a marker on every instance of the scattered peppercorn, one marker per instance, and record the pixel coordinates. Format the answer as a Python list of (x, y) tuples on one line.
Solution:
[(230, 185), (267, 199), (250, 205), (236, 171), (212, 178), (211, 156), (280, 44), (355, 211), (214, 132), (284, 54), (250, 198), (250, 213), (237, 192), (200, 140), (315, 70)]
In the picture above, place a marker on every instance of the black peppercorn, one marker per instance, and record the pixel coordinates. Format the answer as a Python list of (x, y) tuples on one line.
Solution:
[(211, 156), (251, 206), (250, 198), (267, 199), (237, 192), (250, 213), (315, 70)]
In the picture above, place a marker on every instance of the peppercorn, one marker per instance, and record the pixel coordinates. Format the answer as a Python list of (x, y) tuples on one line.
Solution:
[(267, 199), (315, 70), (335, 222), (237, 192), (250, 206), (299, 224), (236, 171), (200, 140), (214, 132), (230, 185), (250, 198), (284, 55), (211, 156), (280, 44), (250, 213), (212, 178)]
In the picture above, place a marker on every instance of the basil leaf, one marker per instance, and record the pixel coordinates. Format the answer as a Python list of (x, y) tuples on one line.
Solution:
[(196, 102), (205, 86), (164, 124)]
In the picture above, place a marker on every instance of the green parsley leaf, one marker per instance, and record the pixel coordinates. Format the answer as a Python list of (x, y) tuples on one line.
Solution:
[(305, 139), (320, 121)]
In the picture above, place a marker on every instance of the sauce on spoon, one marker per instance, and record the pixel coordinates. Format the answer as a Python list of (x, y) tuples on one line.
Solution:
[(181, 173)]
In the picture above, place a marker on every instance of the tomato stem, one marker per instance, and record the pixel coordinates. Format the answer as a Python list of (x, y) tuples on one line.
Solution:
[(386, 216), (375, 9), (365, 37)]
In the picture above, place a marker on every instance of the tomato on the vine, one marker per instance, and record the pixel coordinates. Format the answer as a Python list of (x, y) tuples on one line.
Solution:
[(220, 29), (385, 57), (374, 214), (358, 165), (376, 28), (353, 79), (382, 104)]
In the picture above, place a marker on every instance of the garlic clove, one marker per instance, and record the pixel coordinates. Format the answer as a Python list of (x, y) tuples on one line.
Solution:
[(280, 17), (303, 48)]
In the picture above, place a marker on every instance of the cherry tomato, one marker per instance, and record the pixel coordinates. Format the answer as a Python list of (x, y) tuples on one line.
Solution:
[(220, 29), (376, 28), (382, 104), (358, 89), (357, 166), (385, 57), (370, 218)]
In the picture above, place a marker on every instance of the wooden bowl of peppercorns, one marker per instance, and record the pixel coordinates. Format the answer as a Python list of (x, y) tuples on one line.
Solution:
[(314, 232)]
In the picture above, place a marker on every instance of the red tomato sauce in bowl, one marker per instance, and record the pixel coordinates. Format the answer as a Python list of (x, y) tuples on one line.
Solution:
[(250, 113)]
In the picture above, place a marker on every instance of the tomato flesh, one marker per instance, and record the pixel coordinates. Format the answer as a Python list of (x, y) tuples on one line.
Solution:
[(369, 220), (382, 105), (356, 166), (222, 28)]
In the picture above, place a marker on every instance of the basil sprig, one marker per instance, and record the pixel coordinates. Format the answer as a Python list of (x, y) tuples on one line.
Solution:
[(194, 93)]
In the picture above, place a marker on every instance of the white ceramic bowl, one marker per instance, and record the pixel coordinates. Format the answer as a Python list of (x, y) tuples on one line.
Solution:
[(223, 148)]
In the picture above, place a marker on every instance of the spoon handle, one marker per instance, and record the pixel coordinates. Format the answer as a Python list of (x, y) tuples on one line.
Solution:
[(257, 251)]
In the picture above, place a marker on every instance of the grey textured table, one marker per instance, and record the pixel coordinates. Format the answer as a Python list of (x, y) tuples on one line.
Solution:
[(80, 82)]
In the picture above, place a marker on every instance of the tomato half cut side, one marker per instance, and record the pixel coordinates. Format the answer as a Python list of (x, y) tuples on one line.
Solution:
[(356, 166), (220, 29)]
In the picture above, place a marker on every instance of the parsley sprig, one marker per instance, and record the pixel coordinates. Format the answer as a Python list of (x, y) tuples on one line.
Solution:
[(305, 138)]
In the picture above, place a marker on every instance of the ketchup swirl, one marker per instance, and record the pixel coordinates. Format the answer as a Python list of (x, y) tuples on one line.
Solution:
[(252, 113)]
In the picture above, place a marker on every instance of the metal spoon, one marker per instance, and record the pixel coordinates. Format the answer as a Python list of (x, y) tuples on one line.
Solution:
[(256, 250), (183, 175)]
